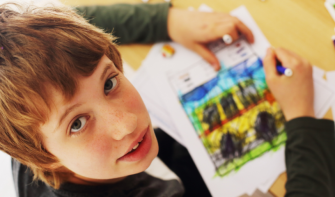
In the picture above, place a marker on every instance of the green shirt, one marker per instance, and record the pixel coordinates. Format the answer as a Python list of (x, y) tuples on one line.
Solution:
[(137, 23)]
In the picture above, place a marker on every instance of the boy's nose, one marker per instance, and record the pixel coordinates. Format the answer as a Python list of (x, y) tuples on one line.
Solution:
[(125, 124), (115, 120), (119, 123)]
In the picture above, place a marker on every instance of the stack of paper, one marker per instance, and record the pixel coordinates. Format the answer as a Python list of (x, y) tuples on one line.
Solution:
[(331, 82), (330, 5), (324, 91), (189, 100)]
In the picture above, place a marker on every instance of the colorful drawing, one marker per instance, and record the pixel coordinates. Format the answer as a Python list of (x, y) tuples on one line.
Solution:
[(233, 112)]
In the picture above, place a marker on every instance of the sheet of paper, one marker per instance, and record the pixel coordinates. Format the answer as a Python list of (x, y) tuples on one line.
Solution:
[(331, 82), (323, 97), (253, 173), (156, 57), (318, 72), (329, 4), (128, 71), (205, 8), (155, 106), (265, 186), (331, 79), (158, 114), (144, 83)]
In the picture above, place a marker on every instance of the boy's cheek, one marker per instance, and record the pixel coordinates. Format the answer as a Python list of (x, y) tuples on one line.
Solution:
[(102, 149), (132, 97), (134, 101), (98, 154)]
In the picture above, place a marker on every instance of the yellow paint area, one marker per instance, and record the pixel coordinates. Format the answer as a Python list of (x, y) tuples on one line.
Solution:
[(242, 126)]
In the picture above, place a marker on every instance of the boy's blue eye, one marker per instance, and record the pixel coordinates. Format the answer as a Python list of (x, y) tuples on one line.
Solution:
[(78, 124), (110, 84)]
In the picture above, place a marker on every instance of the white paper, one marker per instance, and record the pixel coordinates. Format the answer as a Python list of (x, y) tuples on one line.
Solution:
[(205, 8), (323, 97), (318, 72), (128, 71), (329, 5), (266, 185), (144, 84), (252, 174), (155, 106), (331, 82)]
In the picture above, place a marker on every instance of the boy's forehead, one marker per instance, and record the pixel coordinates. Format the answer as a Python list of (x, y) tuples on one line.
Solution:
[(105, 60), (104, 64), (59, 100)]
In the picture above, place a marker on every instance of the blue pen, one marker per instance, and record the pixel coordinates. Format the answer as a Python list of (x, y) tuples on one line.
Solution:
[(281, 69), (285, 71)]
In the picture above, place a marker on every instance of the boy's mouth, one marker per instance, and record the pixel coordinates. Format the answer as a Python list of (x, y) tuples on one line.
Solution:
[(140, 149), (136, 146)]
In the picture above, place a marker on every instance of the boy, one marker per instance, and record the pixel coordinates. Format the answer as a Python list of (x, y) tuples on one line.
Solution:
[(69, 114)]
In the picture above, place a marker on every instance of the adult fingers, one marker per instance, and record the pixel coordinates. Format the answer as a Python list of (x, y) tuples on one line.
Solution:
[(269, 64), (242, 28), (286, 57), (233, 26), (293, 61), (223, 24), (232, 32), (221, 29), (205, 53)]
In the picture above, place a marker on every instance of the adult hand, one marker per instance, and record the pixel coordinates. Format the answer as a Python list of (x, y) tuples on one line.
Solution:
[(195, 29), (294, 94)]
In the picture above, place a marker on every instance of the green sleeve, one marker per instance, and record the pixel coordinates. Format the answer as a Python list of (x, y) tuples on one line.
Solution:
[(310, 158), (130, 23)]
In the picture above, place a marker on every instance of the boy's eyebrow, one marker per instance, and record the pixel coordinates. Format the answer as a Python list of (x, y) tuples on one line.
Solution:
[(108, 66), (67, 111)]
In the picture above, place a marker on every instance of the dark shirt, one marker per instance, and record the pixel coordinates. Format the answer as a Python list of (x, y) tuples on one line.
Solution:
[(138, 185), (310, 158)]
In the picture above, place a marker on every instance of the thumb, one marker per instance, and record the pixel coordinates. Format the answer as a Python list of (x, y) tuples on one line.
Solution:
[(205, 53), (269, 64)]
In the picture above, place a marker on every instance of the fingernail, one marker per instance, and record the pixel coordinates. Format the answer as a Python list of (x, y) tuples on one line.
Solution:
[(216, 66), (268, 51)]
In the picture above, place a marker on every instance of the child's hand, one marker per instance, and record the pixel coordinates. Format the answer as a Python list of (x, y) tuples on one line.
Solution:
[(195, 29), (294, 94)]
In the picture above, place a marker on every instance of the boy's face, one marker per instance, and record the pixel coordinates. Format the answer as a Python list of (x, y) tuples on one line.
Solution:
[(93, 133)]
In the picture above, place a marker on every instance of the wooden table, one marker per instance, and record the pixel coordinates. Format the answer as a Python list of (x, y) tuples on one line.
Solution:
[(303, 26)]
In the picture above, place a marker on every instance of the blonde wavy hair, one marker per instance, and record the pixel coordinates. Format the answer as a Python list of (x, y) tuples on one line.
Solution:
[(38, 46)]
